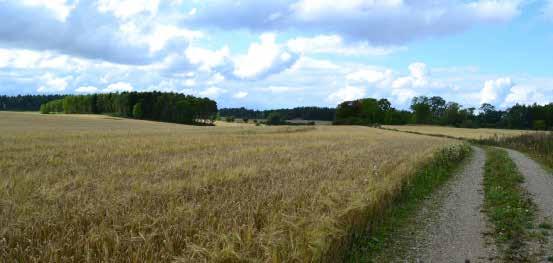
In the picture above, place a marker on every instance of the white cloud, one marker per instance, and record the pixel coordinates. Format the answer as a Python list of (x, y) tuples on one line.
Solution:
[(310, 10), (240, 95), (162, 34), (495, 90), (307, 63), (263, 59), (418, 70), (212, 92), (208, 59), (418, 78), (496, 10), (363, 20), (335, 44), (524, 94), (403, 96), (52, 83), (87, 89), (190, 83), (127, 8), (118, 87), (281, 89), (60, 8), (346, 94), (370, 76)]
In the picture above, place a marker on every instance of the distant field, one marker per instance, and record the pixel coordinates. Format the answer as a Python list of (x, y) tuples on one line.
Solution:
[(81, 187), (458, 132)]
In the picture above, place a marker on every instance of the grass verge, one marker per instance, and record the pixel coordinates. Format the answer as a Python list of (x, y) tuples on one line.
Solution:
[(507, 205), (366, 245), (538, 145)]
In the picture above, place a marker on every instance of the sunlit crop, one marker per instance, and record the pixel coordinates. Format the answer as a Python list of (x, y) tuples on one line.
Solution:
[(96, 188)]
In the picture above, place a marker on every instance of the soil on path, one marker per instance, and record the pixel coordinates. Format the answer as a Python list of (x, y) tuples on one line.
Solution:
[(450, 227)]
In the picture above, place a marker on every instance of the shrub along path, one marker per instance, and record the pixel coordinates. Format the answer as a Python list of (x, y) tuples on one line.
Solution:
[(539, 184), (451, 226)]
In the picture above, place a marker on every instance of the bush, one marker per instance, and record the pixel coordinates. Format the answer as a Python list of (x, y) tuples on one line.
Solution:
[(275, 118), (229, 119), (44, 109), (539, 125), (137, 111)]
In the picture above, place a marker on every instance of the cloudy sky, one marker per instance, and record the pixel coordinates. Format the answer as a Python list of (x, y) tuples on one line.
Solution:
[(267, 54)]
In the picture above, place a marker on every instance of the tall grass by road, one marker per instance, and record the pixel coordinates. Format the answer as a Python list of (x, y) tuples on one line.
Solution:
[(508, 205), (538, 145), (96, 188)]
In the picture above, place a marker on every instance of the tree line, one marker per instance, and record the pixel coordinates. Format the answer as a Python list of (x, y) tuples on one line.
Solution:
[(157, 106), (370, 111), (304, 113), (26, 102), (437, 111)]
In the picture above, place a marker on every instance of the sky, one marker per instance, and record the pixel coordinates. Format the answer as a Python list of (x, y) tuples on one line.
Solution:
[(288, 53)]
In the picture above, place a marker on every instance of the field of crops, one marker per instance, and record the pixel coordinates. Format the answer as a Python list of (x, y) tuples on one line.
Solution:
[(95, 188), (457, 132)]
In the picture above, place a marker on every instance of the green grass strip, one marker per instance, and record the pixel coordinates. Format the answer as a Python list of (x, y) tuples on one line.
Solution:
[(507, 204), (427, 179)]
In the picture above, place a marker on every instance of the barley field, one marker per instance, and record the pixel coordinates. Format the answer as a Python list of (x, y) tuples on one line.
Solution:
[(462, 133), (80, 188)]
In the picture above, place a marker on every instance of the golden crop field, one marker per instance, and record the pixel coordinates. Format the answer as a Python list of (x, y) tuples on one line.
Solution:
[(94, 188), (457, 132)]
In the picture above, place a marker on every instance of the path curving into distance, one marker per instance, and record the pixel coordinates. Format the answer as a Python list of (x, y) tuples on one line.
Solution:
[(451, 226), (458, 233), (539, 183)]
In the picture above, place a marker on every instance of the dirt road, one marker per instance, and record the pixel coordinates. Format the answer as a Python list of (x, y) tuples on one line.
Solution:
[(451, 226), (539, 183)]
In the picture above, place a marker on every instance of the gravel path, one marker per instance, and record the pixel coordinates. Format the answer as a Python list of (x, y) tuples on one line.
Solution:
[(539, 183), (451, 226)]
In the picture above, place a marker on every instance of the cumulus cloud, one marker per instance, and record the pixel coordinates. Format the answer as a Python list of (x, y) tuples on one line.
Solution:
[(494, 91), (264, 58), (53, 84), (418, 78), (208, 59), (118, 87), (240, 95), (60, 9), (335, 44), (128, 8), (524, 94), (370, 76), (359, 19), (212, 92), (347, 93), (87, 89), (281, 89), (104, 37)]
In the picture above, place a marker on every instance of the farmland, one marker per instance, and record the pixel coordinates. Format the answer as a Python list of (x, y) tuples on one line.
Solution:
[(463, 133), (93, 188)]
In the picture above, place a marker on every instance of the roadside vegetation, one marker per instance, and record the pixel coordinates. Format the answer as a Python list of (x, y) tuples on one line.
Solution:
[(537, 145), (94, 187), (508, 206), (429, 176)]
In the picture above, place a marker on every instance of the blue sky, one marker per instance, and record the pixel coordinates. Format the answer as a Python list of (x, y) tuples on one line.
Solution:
[(272, 54)]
